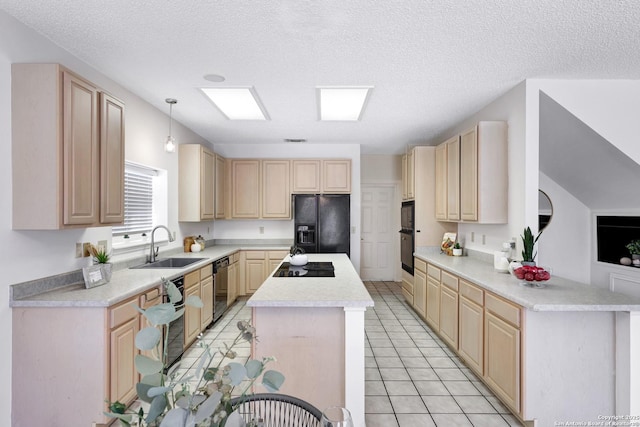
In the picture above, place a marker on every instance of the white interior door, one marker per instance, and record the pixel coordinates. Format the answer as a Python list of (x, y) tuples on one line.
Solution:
[(377, 237)]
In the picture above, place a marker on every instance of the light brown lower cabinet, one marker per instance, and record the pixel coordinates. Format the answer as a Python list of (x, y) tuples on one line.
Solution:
[(420, 289), (407, 286), (484, 329), (471, 339), (124, 324), (258, 265), (192, 319), (206, 293), (232, 279)]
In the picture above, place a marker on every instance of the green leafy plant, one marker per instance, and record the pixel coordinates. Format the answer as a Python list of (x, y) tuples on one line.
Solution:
[(171, 402), (100, 255), (457, 246), (634, 247), (528, 244)]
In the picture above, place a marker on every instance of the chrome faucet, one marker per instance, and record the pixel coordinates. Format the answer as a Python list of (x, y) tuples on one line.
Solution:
[(154, 253)]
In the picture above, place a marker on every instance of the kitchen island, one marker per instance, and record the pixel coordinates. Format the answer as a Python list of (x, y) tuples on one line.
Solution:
[(568, 352), (314, 326)]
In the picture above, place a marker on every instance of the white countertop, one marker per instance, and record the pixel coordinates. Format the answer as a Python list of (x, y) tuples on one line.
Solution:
[(344, 290), (559, 294), (128, 282)]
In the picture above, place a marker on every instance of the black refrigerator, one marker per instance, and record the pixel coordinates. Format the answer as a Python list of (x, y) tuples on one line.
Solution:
[(322, 222)]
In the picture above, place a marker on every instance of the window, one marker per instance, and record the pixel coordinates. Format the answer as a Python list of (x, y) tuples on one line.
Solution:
[(145, 204)]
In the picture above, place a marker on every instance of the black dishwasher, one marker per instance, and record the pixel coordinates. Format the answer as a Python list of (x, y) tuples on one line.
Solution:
[(175, 342), (220, 287)]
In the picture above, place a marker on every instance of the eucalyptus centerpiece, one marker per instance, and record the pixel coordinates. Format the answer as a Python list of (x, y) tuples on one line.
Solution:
[(171, 401)]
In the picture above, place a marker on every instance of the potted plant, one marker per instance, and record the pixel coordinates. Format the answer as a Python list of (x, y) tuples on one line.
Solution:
[(170, 400), (457, 249), (528, 245), (634, 248), (102, 257)]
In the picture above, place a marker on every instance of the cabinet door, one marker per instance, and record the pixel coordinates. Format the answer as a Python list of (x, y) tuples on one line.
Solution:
[(305, 176), (80, 151), (405, 174), (441, 182), (149, 299), (111, 160), (245, 194), (221, 191), (276, 193), (254, 273), (471, 334), (336, 176), (411, 176), (192, 318), (123, 374), (232, 281), (453, 179), (433, 303), (207, 184), (420, 292), (449, 316), (502, 359), (469, 175), (206, 313)]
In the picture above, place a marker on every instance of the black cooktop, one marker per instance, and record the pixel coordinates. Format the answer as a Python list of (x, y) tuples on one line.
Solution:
[(310, 269)]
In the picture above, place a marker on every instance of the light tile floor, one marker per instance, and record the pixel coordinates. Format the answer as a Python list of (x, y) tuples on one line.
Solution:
[(412, 379)]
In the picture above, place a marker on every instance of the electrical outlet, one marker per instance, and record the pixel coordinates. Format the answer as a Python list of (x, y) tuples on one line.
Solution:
[(78, 250), (85, 249), (484, 239), (174, 235), (473, 236), (261, 229), (208, 230)]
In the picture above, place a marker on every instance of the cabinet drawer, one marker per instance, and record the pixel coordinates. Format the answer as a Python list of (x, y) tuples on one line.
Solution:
[(450, 281), (150, 298), (472, 292), (234, 257), (277, 255), (191, 279), (254, 255), (420, 265), (433, 271), (123, 312), (503, 309), (206, 271)]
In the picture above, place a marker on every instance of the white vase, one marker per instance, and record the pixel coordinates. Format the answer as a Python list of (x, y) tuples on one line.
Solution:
[(457, 252)]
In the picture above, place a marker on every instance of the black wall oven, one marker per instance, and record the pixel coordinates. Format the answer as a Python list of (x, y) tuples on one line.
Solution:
[(407, 236)]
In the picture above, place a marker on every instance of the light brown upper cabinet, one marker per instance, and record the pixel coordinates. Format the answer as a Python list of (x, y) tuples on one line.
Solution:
[(221, 188), (196, 183), (276, 192), (473, 168), (67, 152), (320, 176), (245, 188), (408, 175)]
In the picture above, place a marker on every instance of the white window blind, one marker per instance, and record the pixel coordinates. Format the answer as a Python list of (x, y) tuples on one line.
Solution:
[(138, 200)]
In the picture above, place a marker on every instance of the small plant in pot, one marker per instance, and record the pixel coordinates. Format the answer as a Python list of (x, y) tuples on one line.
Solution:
[(457, 249), (102, 257), (297, 256), (634, 249), (528, 244)]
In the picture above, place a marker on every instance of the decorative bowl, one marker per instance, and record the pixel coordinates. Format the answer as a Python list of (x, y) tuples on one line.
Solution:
[(300, 259), (532, 276)]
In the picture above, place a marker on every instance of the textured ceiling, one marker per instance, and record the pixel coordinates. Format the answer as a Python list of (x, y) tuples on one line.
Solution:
[(432, 62)]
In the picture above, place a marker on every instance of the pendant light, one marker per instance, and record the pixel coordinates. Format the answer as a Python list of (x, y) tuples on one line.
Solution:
[(170, 143)]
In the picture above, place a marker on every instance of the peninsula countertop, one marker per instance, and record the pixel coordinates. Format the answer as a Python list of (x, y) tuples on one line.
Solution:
[(344, 290), (559, 294), (125, 282)]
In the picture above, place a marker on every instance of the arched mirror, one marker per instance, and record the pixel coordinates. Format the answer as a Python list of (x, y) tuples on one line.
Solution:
[(545, 210)]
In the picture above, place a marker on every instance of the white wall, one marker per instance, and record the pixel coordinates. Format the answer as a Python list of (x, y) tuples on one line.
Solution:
[(565, 245), (28, 255), (277, 229)]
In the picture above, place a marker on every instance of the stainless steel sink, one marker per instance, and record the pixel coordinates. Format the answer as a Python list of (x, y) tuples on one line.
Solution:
[(170, 263)]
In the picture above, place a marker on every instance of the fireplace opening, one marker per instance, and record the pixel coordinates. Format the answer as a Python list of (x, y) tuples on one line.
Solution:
[(613, 235)]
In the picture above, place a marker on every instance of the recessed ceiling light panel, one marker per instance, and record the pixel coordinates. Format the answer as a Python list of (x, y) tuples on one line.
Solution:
[(239, 103), (342, 103)]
